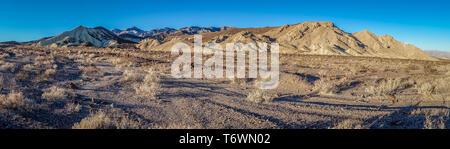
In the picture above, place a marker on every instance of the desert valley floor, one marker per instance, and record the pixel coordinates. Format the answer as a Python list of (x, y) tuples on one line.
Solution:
[(119, 88)]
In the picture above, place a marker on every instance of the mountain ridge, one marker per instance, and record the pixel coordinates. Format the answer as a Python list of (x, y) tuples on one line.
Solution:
[(314, 37), (169, 31), (83, 36)]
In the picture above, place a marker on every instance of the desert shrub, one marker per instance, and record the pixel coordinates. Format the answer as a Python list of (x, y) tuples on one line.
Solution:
[(4, 55), (93, 55), (16, 100), (429, 69), (54, 93), (443, 86), (348, 124), (149, 86), (89, 70), (324, 86), (328, 86), (49, 72), (6, 66), (97, 120), (48, 62), (412, 67), (259, 96), (124, 121), (44, 60), (438, 89), (443, 69), (426, 89), (121, 61), (72, 107), (27, 67), (40, 58), (111, 120), (132, 76), (389, 86), (22, 75)]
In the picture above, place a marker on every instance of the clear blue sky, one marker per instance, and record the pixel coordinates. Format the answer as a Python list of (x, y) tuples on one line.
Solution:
[(425, 23)]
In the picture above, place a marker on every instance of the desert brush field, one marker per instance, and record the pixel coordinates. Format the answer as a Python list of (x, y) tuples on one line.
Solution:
[(127, 88)]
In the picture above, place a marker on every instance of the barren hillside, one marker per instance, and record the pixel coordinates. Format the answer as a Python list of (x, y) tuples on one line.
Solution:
[(322, 38)]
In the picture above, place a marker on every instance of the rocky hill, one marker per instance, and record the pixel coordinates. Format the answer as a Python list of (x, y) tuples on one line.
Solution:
[(322, 38), (83, 36)]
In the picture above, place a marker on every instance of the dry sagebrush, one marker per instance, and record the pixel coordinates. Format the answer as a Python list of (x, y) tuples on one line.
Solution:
[(145, 83), (16, 100), (387, 87), (112, 119), (259, 96), (149, 86), (55, 93), (438, 89)]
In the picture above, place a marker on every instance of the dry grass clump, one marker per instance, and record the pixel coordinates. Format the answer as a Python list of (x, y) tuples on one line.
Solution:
[(22, 75), (348, 124), (324, 86), (429, 69), (124, 121), (72, 107), (27, 67), (90, 70), (132, 76), (410, 67), (97, 120), (54, 93), (437, 89), (16, 100), (259, 96), (4, 55), (7, 66), (426, 89), (145, 83), (149, 86), (44, 60), (443, 69), (110, 120), (40, 58), (329, 86), (387, 87), (121, 61), (49, 72)]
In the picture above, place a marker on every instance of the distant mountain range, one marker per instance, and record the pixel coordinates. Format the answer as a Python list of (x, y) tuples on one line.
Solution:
[(168, 31), (304, 38), (440, 54)]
